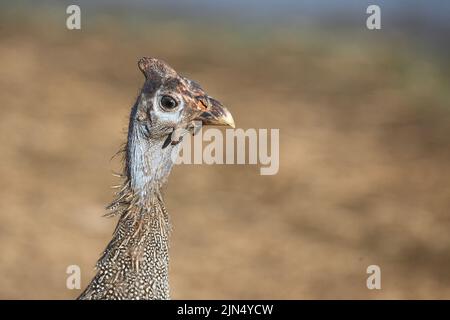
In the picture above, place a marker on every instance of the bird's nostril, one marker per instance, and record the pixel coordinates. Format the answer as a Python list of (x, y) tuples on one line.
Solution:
[(204, 101)]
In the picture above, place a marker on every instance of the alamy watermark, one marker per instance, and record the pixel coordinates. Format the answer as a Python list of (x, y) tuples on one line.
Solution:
[(373, 21), (374, 280), (73, 21), (231, 146), (73, 281)]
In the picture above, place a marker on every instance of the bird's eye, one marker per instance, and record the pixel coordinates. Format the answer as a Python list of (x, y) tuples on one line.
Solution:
[(168, 103)]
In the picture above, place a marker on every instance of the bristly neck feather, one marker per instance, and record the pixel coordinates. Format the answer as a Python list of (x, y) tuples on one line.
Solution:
[(135, 263)]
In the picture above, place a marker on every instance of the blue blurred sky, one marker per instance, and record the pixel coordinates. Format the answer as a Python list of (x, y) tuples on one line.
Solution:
[(436, 11), (412, 14), (426, 21)]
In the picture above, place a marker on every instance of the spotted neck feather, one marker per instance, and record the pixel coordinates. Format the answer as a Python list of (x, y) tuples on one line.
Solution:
[(135, 263)]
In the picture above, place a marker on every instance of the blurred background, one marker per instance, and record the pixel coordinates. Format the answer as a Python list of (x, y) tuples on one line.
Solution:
[(364, 119)]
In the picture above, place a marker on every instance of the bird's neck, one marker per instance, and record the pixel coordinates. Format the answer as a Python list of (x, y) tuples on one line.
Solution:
[(149, 161), (135, 264)]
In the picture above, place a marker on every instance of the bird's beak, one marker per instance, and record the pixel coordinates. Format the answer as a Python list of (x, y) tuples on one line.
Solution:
[(215, 114)]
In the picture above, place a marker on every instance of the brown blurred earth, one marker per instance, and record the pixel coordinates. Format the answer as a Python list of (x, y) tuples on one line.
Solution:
[(364, 161)]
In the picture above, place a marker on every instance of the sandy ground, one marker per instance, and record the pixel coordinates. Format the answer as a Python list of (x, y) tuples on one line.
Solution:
[(364, 163)]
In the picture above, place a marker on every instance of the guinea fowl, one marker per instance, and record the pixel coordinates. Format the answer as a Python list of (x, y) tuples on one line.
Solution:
[(135, 263)]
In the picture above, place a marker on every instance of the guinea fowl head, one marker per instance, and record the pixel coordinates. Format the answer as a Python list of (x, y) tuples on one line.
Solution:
[(135, 264), (168, 106)]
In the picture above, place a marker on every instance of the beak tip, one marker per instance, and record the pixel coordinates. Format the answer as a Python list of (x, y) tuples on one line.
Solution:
[(230, 121)]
